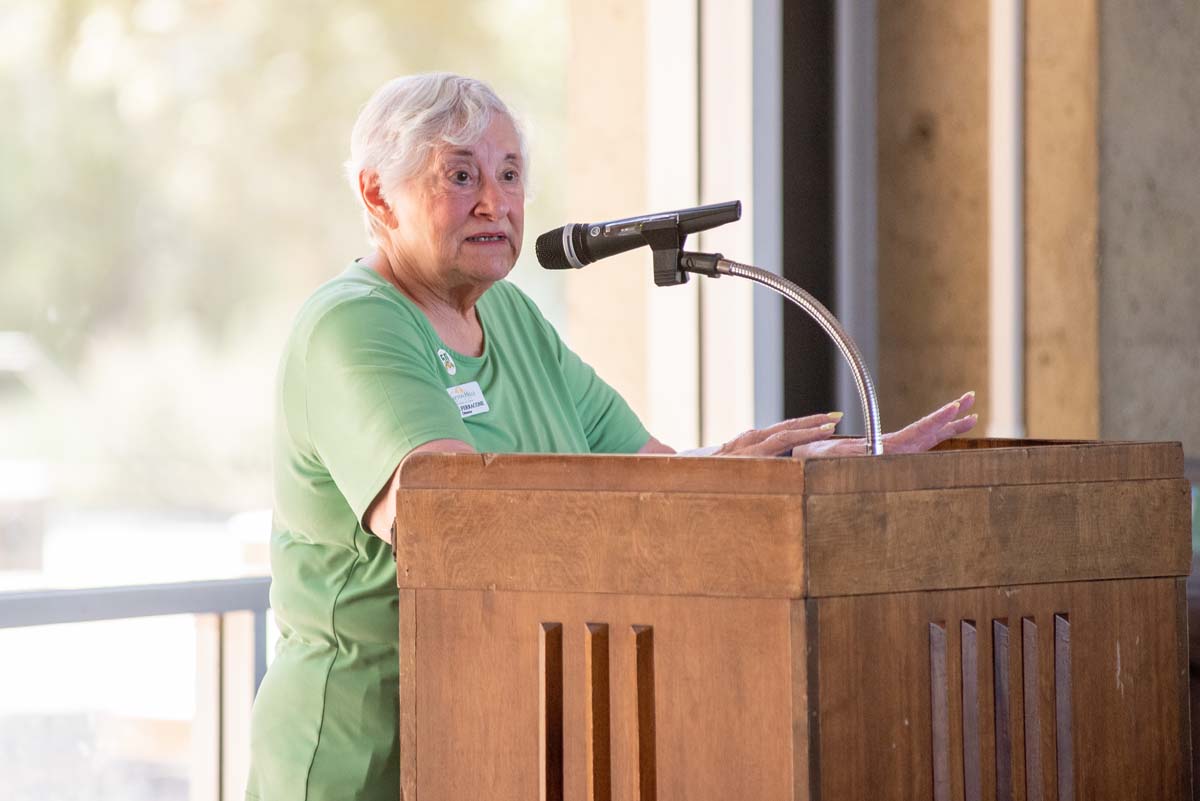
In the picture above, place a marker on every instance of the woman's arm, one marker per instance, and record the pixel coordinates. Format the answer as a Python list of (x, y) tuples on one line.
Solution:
[(382, 511)]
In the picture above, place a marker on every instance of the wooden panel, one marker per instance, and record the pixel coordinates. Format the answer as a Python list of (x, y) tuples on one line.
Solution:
[(1127, 665), (1062, 141), (806, 773), (996, 465), (408, 695), (893, 542), (603, 473), (601, 542), (957, 463), (722, 673)]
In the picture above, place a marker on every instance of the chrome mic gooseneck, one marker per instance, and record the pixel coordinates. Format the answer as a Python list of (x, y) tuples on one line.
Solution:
[(714, 265), (665, 234), (829, 324)]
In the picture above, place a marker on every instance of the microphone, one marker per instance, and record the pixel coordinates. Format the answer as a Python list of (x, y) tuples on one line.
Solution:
[(578, 244)]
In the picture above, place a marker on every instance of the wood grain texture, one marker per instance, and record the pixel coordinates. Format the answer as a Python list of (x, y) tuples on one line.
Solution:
[(1001, 463), (894, 542), (647, 728), (604, 473), (598, 734), (875, 706), (806, 769), (956, 463), (723, 679), (791, 652), (672, 544), (408, 695)]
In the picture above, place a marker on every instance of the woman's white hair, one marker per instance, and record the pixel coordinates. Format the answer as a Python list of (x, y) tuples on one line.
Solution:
[(407, 117)]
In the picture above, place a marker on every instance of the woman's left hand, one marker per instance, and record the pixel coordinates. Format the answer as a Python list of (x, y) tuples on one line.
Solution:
[(949, 421)]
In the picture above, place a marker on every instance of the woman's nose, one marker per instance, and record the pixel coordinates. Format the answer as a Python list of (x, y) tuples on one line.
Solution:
[(493, 201)]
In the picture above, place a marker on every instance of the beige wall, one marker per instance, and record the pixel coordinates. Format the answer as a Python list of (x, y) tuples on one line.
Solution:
[(606, 145), (634, 146)]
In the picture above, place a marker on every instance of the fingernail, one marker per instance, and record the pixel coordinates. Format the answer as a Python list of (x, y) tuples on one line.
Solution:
[(971, 394), (828, 426), (836, 415), (954, 406)]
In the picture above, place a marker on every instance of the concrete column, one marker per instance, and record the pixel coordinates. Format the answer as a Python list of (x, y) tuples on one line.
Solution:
[(1062, 358), (1149, 209), (932, 205)]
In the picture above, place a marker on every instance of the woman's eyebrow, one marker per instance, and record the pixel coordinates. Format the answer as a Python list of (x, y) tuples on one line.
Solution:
[(466, 152)]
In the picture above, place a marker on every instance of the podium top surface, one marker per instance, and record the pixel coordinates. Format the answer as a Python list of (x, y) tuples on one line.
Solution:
[(974, 513), (957, 463)]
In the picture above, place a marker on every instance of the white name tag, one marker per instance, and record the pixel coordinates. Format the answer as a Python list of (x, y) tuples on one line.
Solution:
[(469, 398)]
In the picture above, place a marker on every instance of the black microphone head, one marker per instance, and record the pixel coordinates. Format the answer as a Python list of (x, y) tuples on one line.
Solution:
[(552, 249)]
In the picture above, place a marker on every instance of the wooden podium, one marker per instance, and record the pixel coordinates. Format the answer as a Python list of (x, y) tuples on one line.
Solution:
[(996, 620)]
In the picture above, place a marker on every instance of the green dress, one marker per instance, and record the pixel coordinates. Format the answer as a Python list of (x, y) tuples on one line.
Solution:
[(363, 380)]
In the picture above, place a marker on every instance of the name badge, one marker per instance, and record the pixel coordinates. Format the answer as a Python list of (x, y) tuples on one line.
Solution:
[(469, 398)]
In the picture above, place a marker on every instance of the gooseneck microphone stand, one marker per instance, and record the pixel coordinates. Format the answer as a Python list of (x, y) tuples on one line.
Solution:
[(672, 265)]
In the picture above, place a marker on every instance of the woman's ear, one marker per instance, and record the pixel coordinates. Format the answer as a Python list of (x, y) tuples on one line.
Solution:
[(373, 200)]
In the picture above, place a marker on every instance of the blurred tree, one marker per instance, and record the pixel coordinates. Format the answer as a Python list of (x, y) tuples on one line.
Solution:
[(173, 189)]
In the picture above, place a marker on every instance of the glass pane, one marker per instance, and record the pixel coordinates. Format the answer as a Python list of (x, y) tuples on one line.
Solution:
[(92, 710), (171, 192)]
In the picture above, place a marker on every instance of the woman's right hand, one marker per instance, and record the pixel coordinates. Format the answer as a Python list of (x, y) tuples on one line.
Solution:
[(782, 437)]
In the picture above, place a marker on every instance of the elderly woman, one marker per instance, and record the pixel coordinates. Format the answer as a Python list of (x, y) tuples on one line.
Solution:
[(422, 346)]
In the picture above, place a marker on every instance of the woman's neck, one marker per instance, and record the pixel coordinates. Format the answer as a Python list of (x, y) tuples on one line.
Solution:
[(451, 311)]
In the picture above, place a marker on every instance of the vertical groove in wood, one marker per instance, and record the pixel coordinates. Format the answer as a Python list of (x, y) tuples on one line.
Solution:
[(647, 732), (972, 777), (812, 669), (1001, 694), (550, 650), (1063, 729), (599, 735), (1033, 720), (940, 711)]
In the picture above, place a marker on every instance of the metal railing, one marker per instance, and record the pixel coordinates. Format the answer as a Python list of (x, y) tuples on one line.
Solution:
[(224, 649), (47, 607)]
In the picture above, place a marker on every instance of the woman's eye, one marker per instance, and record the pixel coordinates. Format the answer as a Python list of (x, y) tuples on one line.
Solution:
[(511, 176), (460, 177)]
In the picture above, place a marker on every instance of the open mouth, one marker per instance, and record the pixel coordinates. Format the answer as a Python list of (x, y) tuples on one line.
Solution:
[(488, 238)]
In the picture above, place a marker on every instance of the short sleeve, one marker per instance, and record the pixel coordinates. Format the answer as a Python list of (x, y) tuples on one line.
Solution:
[(608, 423), (372, 395)]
